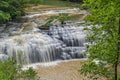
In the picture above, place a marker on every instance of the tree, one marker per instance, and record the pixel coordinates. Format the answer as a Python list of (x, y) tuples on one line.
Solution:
[(104, 37)]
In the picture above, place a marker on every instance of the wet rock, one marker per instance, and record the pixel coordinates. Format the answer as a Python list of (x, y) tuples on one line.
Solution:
[(56, 22), (65, 56), (17, 32), (72, 54), (29, 26), (80, 55)]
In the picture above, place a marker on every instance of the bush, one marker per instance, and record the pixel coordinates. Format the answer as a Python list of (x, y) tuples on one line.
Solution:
[(10, 9), (10, 70), (4, 17)]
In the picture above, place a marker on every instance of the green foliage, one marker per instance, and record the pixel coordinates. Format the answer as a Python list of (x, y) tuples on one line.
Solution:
[(61, 17), (95, 71), (50, 20), (76, 17), (10, 9), (53, 3), (9, 70), (29, 74), (76, 0), (103, 36), (4, 17)]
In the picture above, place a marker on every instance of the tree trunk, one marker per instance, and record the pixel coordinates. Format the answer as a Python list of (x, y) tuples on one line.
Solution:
[(118, 54), (116, 71)]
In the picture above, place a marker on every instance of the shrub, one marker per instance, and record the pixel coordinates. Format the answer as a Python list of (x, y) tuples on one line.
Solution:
[(10, 70), (10, 9)]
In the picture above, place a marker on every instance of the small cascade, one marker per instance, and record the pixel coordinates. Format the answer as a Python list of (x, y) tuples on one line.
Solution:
[(70, 35), (57, 43), (73, 39), (31, 48)]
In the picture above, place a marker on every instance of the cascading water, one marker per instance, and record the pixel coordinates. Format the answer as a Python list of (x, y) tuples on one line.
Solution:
[(73, 39), (57, 43)]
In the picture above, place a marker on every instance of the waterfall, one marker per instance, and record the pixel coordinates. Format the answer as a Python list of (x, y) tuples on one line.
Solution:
[(73, 39), (58, 43)]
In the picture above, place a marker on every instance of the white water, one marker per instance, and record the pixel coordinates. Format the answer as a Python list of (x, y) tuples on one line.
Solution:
[(29, 48), (53, 12), (49, 64), (34, 46), (58, 43)]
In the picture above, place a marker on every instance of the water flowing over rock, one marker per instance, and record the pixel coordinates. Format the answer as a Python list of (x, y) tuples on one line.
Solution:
[(48, 12), (57, 43), (3, 57), (73, 39), (28, 43)]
